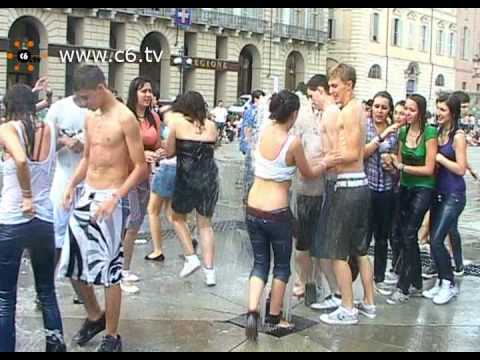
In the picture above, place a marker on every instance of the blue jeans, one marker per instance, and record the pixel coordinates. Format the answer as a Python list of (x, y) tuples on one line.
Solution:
[(275, 230), (414, 204), (445, 213), (38, 237)]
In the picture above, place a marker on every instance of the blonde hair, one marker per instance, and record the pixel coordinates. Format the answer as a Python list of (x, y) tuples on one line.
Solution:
[(345, 73)]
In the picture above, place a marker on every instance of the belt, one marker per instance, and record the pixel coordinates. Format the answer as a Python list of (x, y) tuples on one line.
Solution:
[(280, 215), (351, 183)]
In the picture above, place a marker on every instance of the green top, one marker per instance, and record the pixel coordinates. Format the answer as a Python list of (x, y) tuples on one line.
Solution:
[(417, 157)]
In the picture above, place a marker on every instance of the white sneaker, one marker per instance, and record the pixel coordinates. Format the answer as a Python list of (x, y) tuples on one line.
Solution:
[(341, 316), (130, 277), (370, 311), (391, 278), (210, 277), (447, 292), (129, 288), (330, 302), (398, 298), (384, 289), (430, 294), (192, 264)]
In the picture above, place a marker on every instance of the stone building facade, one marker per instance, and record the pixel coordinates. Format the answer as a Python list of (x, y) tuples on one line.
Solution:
[(398, 49), (468, 71), (263, 47)]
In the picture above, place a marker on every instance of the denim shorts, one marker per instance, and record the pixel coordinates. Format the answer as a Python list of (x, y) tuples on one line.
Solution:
[(164, 181)]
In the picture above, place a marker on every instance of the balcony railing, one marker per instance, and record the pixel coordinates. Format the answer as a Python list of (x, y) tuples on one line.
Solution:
[(228, 21), (156, 12), (235, 22), (299, 33)]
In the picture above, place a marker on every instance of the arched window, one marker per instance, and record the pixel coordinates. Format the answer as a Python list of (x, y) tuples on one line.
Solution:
[(375, 72), (440, 81)]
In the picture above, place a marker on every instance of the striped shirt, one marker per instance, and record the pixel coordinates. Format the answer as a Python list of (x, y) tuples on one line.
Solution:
[(379, 180)]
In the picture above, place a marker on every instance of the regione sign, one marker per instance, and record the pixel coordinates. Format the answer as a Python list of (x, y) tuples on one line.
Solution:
[(211, 64)]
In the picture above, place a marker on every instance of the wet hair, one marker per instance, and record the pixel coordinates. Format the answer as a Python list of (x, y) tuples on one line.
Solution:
[(454, 104), (88, 77), (422, 112), (282, 105), (462, 96), (345, 73), (317, 81), (192, 105), (20, 105), (132, 100), (257, 94), (385, 95)]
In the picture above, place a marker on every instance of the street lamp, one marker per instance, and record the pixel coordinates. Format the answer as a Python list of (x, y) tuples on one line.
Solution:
[(185, 63)]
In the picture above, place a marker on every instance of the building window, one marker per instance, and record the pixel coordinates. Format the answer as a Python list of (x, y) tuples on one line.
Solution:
[(397, 32), (411, 87), (465, 40), (451, 45), (411, 34), (424, 38), (478, 88), (464, 85), (375, 72), (440, 42), (331, 28), (375, 27), (440, 81)]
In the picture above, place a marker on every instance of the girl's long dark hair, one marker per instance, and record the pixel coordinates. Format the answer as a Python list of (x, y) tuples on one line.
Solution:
[(132, 101), (20, 106), (454, 105), (193, 106), (422, 112)]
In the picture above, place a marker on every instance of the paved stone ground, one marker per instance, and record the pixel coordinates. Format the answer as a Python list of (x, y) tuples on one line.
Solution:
[(171, 314)]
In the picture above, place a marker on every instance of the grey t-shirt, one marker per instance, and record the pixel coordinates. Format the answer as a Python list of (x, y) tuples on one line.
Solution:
[(307, 128)]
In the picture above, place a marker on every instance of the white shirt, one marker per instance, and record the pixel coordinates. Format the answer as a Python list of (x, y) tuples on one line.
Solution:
[(68, 118), (220, 114)]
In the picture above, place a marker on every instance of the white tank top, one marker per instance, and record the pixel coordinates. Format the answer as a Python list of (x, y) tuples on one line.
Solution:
[(41, 173), (276, 170)]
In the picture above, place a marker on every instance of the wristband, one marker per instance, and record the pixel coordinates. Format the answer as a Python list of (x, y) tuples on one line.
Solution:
[(27, 194)]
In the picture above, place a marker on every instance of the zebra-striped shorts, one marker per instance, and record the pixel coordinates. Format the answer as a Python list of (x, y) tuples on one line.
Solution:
[(93, 252)]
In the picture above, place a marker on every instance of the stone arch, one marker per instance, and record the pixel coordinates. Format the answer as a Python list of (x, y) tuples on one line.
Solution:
[(249, 75), (159, 74), (30, 33), (294, 70)]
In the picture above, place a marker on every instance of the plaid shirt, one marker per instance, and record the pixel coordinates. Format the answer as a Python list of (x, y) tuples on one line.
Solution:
[(379, 180)]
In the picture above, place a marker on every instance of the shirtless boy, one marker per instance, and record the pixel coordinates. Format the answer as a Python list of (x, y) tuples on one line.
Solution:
[(113, 162), (347, 214)]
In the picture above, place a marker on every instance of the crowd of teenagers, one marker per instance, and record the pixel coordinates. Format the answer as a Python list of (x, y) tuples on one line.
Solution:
[(323, 175)]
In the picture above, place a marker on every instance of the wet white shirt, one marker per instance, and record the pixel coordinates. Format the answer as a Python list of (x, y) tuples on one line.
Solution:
[(68, 118)]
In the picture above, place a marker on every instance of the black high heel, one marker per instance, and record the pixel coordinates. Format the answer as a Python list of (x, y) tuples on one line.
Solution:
[(251, 329), (158, 258)]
